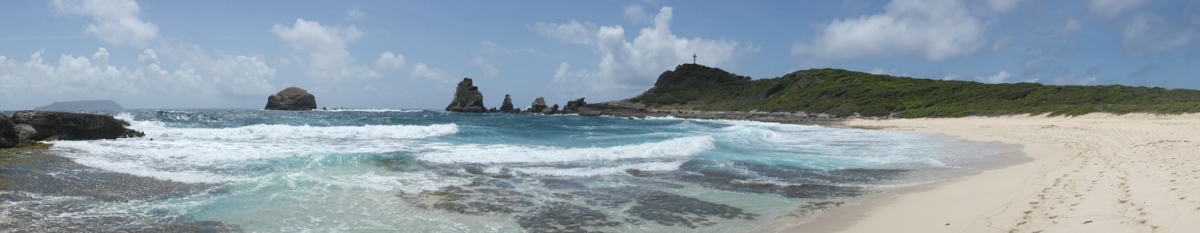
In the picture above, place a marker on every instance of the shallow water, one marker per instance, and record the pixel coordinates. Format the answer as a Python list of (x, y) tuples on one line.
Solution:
[(434, 171)]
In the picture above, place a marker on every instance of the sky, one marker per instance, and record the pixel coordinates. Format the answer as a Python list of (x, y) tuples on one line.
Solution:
[(411, 54)]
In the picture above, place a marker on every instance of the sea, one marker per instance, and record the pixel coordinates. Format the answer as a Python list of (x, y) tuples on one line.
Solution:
[(390, 170)]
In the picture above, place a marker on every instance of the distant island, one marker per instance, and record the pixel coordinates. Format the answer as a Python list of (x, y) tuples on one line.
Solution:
[(81, 105)]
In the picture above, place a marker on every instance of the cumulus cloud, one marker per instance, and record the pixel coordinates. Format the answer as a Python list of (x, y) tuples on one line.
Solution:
[(325, 49), (93, 77), (573, 31), (113, 21), (388, 60), (420, 70), (1112, 8), (1149, 33), (629, 66), (998, 78), (928, 29), (636, 14)]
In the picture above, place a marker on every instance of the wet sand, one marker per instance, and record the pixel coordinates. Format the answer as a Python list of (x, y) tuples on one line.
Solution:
[(1091, 173)]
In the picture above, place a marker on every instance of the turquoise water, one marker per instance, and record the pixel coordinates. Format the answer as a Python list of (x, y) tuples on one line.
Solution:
[(433, 171)]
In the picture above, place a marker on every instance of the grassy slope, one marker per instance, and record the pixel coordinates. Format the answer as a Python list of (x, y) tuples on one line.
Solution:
[(843, 93)]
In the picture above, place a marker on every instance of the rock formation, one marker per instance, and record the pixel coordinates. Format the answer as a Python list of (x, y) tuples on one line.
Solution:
[(72, 126), (574, 105), (538, 106), (507, 105), (467, 98), (292, 98), (8, 134), (552, 110)]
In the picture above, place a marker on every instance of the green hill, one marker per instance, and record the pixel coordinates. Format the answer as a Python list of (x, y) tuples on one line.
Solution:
[(844, 93)]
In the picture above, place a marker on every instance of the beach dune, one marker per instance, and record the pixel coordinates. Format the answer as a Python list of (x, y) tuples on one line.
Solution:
[(1090, 173)]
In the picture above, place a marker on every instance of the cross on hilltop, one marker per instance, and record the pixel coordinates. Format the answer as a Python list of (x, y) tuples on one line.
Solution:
[(693, 58)]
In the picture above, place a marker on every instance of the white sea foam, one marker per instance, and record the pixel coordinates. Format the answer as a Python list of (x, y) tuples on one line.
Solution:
[(277, 132), (476, 153), (600, 171)]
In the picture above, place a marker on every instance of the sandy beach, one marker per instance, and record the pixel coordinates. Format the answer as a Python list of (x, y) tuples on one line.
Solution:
[(1091, 173)]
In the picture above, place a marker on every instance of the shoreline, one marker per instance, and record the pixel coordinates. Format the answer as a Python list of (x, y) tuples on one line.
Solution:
[(1090, 173)]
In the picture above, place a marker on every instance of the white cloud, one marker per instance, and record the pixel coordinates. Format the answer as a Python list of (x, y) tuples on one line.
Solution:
[(113, 21), (635, 14), (1112, 8), (1071, 26), (327, 57), (420, 70), (998, 78), (489, 70), (929, 29), (81, 77), (627, 67), (573, 31), (388, 60), (356, 14), (1149, 33)]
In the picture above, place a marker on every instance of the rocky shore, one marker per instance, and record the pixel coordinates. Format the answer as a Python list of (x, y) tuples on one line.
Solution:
[(468, 98)]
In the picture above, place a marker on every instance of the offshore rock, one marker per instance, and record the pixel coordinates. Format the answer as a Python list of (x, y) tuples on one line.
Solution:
[(574, 105), (552, 110), (8, 134), (507, 106), (467, 98), (73, 126), (538, 106), (292, 98)]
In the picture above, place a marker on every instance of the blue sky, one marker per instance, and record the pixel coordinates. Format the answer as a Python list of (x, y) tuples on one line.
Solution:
[(410, 54)]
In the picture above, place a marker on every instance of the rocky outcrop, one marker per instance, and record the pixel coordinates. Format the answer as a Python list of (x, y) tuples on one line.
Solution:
[(538, 106), (574, 105), (552, 110), (8, 134), (73, 126), (292, 98), (507, 106), (467, 98)]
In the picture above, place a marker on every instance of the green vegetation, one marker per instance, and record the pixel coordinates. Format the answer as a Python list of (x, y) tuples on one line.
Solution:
[(19, 154), (845, 93)]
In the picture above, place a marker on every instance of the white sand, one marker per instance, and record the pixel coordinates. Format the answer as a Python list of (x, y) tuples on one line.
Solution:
[(1092, 173)]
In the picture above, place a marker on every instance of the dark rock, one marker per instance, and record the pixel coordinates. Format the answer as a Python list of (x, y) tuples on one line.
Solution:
[(552, 110), (467, 98), (74, 126), (507, 106), (292, 98), (24, 133), (81, 105), (574, 105), (538, 106), (8, 134)]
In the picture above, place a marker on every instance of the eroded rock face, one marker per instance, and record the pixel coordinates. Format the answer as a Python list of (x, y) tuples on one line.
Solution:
[(292, 98), (73, 126), (467, 98), (538, 106), (8, 135), (507, 106), (573, 106)]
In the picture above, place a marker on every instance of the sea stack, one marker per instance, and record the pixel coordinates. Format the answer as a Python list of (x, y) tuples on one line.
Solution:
[(292, 98), (507, 106), (538, 106), (573, 106), (467, 98)]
